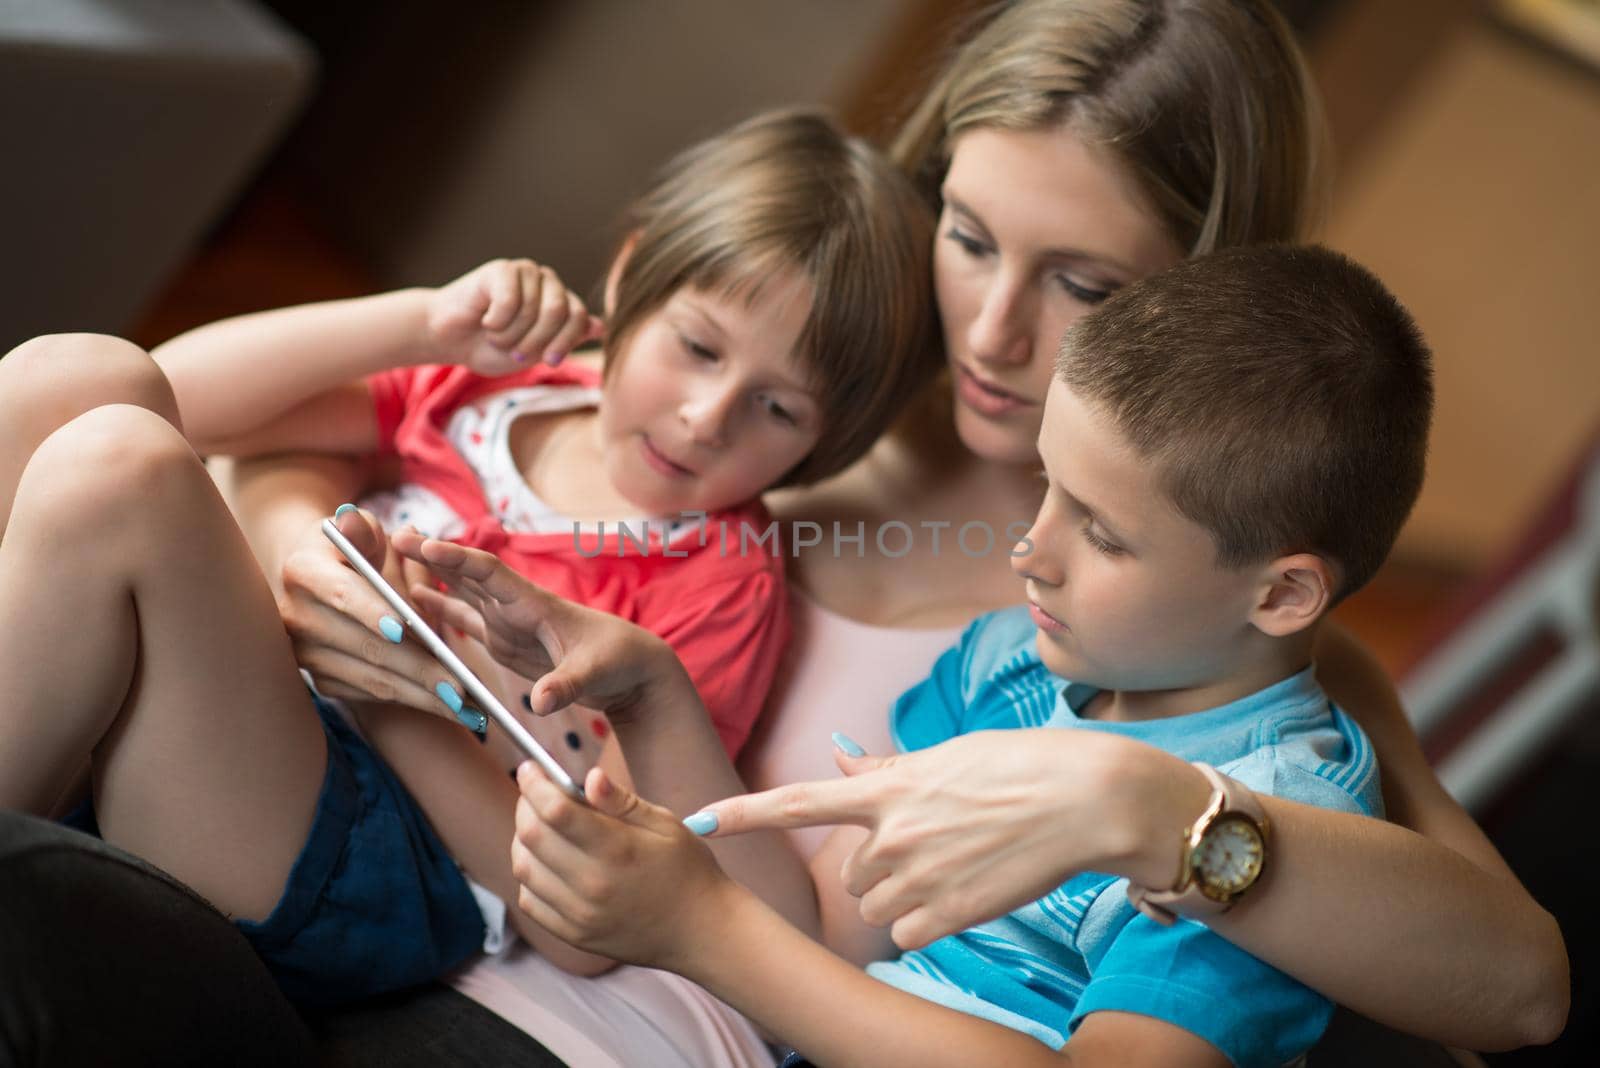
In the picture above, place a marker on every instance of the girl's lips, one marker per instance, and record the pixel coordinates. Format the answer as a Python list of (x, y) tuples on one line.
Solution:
[(658, 460), (984, 398), (1044, 620)]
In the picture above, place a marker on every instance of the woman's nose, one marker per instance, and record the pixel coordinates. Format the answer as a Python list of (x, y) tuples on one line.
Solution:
[(999, 334)]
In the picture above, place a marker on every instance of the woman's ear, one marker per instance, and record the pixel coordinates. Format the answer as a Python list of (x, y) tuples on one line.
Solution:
[(614, 275), (1296, 591)]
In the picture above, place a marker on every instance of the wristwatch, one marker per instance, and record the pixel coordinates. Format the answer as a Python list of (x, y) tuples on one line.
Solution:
[(1223, 854)]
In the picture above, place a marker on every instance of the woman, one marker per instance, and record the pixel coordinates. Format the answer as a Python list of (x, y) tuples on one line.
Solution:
[(1076, 147)]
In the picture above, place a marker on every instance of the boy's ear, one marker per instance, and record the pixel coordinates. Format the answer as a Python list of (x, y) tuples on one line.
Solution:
[(614, 275), (1296, 591)]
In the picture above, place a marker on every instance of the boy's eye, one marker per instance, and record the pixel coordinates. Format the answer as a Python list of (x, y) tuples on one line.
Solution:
[(969, 244), (1100, 544), (1082, 292)]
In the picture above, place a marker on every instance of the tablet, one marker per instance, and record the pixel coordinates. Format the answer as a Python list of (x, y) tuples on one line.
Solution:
[(480, 694)]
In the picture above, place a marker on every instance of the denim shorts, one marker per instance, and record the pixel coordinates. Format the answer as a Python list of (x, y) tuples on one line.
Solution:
[(373, 902)]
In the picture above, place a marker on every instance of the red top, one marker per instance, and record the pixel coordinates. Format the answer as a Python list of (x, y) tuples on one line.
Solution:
[(721, 605)]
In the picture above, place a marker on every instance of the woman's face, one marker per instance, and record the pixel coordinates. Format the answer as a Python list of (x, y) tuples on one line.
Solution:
[(1037, 229)]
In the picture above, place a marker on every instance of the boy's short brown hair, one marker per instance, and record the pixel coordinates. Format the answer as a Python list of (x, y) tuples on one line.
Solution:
[(789, 190), (1283, 393)]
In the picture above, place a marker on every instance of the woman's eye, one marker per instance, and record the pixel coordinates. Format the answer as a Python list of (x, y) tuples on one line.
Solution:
[(1100, 544), (970, 245), (1081, 292)]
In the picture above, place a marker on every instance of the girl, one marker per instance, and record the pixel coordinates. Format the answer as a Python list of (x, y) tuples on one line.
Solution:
[(743, 352)]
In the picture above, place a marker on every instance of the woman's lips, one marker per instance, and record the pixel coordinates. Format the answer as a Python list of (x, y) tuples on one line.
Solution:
[(659, 461), (984, 398)]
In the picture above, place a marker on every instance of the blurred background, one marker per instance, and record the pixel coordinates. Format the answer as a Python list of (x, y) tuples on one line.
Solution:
[(172, 163)]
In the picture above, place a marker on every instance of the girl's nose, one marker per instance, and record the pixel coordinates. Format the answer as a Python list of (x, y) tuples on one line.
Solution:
[(706, 415)]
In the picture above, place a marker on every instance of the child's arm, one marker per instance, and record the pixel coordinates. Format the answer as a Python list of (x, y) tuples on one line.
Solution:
[(626, 879), (290, 378), (470, 803), (579, 655)]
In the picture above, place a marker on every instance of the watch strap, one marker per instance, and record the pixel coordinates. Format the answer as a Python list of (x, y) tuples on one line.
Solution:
[(1185, 897)]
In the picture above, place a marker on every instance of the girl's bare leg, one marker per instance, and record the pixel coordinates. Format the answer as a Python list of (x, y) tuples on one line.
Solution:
[(138, 628)]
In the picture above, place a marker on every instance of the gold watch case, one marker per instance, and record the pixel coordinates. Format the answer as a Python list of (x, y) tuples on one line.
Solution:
[(1226, 856)]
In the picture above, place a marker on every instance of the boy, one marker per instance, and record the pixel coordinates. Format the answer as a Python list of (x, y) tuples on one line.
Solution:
[(1230, 447)]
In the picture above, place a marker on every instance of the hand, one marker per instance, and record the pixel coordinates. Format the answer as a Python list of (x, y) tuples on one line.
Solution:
[(574, 654), (622, 878), (977, 826), (335, 621), (496, 317)]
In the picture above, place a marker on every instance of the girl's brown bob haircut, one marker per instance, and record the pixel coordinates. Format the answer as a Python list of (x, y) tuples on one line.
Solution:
[(788, 191)]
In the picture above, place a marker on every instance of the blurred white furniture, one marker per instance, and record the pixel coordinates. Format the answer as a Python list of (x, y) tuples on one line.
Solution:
[(1525, 660)]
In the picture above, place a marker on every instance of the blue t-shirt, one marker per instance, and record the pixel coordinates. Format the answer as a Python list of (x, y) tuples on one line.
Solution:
[(1084, 948)]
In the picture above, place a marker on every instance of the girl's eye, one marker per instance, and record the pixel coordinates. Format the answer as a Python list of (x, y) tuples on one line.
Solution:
[(1083, 293), (695, 349), (970, 245), (1100, 544), (779, 412)]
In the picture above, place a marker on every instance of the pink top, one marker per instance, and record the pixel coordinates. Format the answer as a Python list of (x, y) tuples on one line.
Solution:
[(836, 675)]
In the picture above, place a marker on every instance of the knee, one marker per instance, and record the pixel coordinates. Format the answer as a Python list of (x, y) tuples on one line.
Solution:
[(116, 457), (59, 376)]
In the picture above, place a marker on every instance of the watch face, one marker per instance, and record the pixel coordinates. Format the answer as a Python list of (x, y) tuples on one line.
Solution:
[(1228, 859)]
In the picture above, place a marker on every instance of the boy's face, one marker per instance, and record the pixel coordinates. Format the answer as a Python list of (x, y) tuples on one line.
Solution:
[(707, 405), (1125, 590)]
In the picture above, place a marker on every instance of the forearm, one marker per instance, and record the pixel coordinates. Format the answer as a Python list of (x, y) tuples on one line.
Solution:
[(677, 761), (470, 804), (797, 990), (1407, 931), (236, 375), (1506, 952), (275, 500)]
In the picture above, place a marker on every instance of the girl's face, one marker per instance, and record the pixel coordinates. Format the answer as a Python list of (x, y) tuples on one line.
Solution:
[(1037, 229), (707, 404)]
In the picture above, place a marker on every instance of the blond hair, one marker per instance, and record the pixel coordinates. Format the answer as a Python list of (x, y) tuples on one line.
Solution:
[(789, 191), (1207, 105)]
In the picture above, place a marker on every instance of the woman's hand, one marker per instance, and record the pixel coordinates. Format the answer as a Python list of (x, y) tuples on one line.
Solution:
[(970, 829), (620, 877), (576, 655), (497, 316), (345, 635)]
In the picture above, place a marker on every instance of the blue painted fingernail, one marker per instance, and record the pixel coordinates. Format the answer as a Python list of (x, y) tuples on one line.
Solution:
[(450, 696), (701, 823), (342, 509), (392, 629), (474, 721), (847, 745)]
